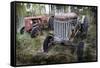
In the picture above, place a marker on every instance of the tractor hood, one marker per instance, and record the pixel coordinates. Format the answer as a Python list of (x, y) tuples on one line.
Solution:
[(66, 16)]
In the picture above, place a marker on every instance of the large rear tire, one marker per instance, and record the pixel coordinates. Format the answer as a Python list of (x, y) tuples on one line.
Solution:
[(84, 28), (47, 43), (50, 23)]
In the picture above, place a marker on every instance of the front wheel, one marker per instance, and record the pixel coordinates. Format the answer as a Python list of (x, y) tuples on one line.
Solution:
[(22, 30), (47, 43), (80, 51), (35, 32)]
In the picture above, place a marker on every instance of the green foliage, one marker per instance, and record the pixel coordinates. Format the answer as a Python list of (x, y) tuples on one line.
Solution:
[(25, 47), (38, 9), (90, 54), (20, 9)]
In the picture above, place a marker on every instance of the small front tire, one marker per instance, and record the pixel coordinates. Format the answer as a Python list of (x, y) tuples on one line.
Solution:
[(80, 51), (47, 43), (35, 32), (22, 30)]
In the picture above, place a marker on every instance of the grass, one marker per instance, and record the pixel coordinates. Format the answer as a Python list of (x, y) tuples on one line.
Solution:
[(29, 51)]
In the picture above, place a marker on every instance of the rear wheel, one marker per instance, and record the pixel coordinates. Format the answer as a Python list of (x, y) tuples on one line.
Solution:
[(84, 28), (22, 30), (47, 43), (50, 23)]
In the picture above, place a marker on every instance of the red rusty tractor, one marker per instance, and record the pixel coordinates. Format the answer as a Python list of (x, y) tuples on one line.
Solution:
[(34, 25)]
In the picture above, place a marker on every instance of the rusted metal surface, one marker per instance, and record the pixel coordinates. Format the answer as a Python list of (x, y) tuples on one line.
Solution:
[(66, 16), (28, 24), (40, 21)]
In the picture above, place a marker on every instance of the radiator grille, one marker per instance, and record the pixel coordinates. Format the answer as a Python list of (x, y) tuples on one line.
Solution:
[(62, 30)]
